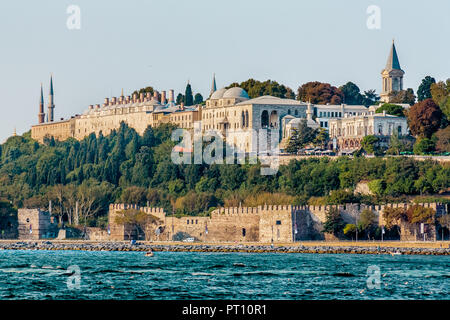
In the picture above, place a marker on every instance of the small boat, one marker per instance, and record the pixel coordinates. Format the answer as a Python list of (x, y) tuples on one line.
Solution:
[(149, 254), (397, 253)]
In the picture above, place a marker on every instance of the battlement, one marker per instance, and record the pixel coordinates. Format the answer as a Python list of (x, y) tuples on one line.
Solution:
[(361, 206), (235, 211), (158, 212)]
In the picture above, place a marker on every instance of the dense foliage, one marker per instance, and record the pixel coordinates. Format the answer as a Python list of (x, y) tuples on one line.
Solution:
[(126, 167), (257, 88)]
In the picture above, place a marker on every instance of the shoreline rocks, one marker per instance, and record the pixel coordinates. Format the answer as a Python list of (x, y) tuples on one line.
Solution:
[(123, 246)]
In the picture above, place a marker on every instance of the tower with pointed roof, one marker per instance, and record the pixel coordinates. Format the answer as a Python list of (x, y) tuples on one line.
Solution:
[(213, 86), (392, 75), (51, 104), (41, 114)]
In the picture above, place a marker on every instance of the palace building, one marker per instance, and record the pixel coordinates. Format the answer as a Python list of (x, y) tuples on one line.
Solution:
[(229, 112)]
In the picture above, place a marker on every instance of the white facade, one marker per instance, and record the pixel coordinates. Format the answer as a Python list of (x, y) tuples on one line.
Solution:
[(349, 131)]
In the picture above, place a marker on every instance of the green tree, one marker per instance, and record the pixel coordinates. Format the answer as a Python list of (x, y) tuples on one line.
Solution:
[(392, 109), (352, 94), (440, 93), (257, 88), (301, 137), (334, 223), (370, 144), (424, 89), (377, 186), (198, 99), (188, 98), (424, 146), (367, 222), (322, 138), (180, 99), (370, 97)]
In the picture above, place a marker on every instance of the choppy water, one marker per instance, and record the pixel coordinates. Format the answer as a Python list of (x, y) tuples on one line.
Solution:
[(185, 275)]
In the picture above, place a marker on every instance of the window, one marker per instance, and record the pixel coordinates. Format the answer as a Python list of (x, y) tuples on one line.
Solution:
[(243, 232), (320, 114), (278, 222), (187, 221)]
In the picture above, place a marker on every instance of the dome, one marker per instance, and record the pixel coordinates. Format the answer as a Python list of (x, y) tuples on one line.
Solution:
[(236, 92), (218, 94)]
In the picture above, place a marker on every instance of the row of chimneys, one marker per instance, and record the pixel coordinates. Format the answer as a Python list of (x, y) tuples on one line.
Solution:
[(161, 98)]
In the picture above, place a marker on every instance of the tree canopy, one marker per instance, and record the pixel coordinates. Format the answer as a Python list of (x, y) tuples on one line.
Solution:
[(392, 109), (424, 118), (424, 92), (256, 88), (319, 93), (127, 167)]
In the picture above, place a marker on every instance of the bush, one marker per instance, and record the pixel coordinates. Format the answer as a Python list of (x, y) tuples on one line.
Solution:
[(424, 146)]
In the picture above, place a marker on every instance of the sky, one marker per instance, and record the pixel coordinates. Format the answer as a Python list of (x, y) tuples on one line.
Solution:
[(165, 43)]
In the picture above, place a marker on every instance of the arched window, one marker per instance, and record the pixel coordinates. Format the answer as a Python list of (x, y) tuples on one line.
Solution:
[(246, 118), (264, 119), (274, 119), (243, 120)]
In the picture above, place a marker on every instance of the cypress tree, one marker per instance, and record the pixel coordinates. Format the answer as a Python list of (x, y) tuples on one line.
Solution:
[(188, 98)]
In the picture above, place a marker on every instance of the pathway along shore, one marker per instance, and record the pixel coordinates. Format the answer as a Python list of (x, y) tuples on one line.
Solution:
[(420, 248)]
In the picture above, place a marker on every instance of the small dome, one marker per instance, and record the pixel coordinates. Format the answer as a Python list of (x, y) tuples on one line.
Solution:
[(236, 92), (218, 94)]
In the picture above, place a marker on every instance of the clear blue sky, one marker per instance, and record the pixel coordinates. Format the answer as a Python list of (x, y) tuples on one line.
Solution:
[(164, 43)]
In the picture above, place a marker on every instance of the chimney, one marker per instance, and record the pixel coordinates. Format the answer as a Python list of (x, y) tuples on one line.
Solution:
[(182, 106), (91, 107), (128, 99), (149, 96), (163, 97), (171, 96), (113, 100), (156, 95), (141, 97), (106, 102), (97, 106), (134, 97)]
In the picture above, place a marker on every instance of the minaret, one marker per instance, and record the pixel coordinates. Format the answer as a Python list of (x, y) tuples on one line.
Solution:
[(51, 104), (392, 75), (213, 86), (41, 114)]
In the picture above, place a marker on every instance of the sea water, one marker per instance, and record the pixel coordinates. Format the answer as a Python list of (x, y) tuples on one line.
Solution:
[(255, 276)]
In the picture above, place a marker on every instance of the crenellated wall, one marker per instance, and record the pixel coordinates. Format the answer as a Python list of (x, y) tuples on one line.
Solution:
[(268, 223)]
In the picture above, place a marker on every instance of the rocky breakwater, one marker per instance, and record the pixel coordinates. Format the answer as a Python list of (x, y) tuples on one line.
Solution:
[(144, 247)]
